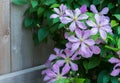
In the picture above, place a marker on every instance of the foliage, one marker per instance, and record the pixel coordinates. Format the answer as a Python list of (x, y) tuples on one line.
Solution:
[(38, 13)]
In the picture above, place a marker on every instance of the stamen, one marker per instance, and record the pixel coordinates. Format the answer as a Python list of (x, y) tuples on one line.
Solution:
[(81, 39), (75, 18), (67, 60), (59, 76)]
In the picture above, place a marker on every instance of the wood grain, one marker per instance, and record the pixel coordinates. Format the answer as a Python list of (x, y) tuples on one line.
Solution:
[(24, 53), (4, 36), (21, 41)]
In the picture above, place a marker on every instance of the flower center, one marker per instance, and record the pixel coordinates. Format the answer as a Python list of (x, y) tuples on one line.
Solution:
[(81, 39), (61, 13), (59, 76), (67, 60), (75, 18), (99, 26)]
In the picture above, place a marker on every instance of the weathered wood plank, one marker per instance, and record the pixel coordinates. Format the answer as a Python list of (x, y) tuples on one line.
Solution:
[(4, 36), (22, 72), (24, 53), (21, 40), (31, 77), (42, 52)]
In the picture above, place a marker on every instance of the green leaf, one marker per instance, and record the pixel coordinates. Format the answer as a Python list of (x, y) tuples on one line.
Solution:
[(34, 3), (92, 63), (49, 2), (54, 5), (100, 76), (32, 10), (118, 43), (69, 2), (61, 25), (111, 5), (85, 64), (40, 11), (20, 2), (79, 80), (109, 56), (95, 37), (103, 77), (114, 80), (110, 38), (114, 23), (54, 28), (42, 1), (87, 81), (56, 20), (62, 1), (28, 22), (42, 34), (118, 1), (96, 2), (117, 16), (63, 80), (71, 33), (47, 15), (106, 78), (118, 29), (82, 2), (91, 16), (103, 51)]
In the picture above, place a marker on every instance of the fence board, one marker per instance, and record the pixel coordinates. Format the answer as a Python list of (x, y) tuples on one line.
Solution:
[(42, 52), (32, 77), (17, 51), (24, 53), (21, 41), (4, 36)]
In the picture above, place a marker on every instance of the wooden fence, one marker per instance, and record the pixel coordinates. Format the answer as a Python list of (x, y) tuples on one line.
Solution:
[(17, 51)]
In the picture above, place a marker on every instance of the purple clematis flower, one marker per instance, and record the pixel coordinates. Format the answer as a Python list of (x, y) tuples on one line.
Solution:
[(83, 44), (74, 17), (83, 9), (103, 12), (53, 74), (66, 35), (59, 12), (116, 69), (57, 55), (67, 60), (102, 25)]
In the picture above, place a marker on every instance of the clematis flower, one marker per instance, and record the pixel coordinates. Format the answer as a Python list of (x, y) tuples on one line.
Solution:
[(83, 44), (51, 75), (83, 9), (66, 35), (74, 18), (55, 56), (116, 69), (67, 59), (103, 12), (69, 45), (59, 12), (101, 25)]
